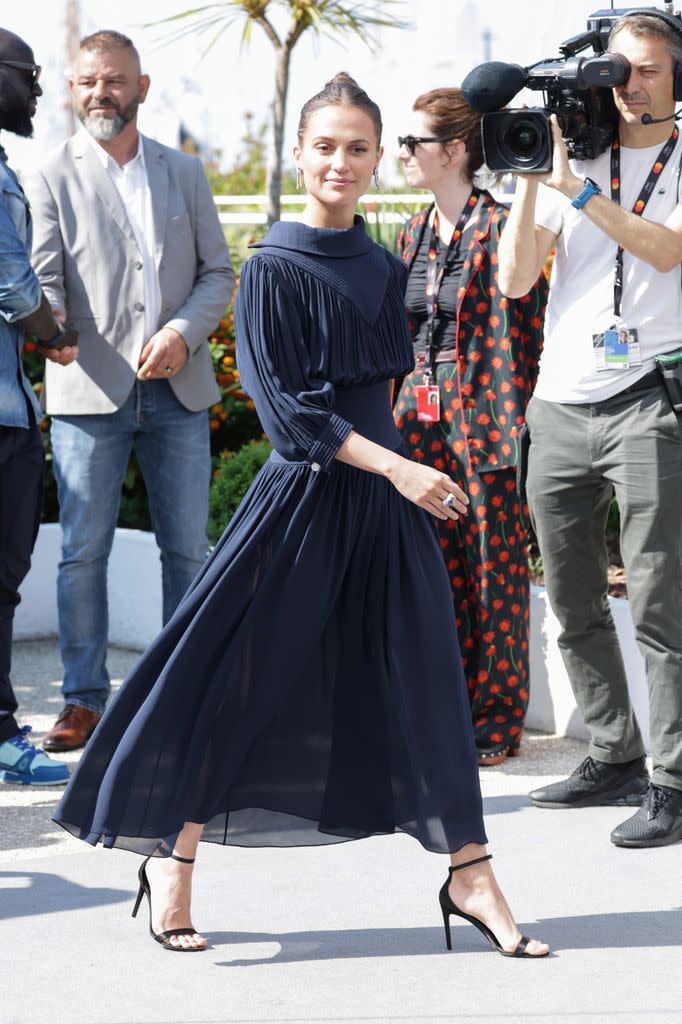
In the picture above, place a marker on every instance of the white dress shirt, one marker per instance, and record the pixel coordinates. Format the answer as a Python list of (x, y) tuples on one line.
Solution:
[(132, 184)]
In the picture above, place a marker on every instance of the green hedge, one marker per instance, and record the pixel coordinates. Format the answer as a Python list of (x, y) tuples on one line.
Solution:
[(232, 476)]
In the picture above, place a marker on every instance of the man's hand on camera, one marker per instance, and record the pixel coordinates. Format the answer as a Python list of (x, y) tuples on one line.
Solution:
[(561, 177)]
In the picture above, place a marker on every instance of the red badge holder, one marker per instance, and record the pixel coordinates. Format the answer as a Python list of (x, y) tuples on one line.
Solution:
[(428, 403)]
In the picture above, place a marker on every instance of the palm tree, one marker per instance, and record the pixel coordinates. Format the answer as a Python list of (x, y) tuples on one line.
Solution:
[(325, 18)]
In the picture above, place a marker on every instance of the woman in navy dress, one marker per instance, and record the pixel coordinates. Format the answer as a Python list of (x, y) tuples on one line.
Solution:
[(302, 692)]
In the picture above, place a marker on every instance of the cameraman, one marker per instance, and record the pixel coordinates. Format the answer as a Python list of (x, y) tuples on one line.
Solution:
[(601, 420)]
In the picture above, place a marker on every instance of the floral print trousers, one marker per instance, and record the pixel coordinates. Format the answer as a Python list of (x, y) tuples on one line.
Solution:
[(485, 554)]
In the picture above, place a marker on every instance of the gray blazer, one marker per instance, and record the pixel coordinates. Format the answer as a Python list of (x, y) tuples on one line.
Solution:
[(88, 263)]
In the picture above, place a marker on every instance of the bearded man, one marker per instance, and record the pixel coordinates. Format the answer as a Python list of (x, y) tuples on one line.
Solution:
[(129, 249)]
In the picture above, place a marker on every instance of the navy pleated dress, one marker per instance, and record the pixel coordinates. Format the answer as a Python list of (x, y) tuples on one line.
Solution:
[(308, 689)]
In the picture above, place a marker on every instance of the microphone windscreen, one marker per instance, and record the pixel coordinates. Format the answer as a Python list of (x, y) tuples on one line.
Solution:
[(491, 86)]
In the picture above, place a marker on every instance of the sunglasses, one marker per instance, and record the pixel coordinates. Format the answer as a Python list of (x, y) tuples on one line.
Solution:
[(410, 142), (23, 65)]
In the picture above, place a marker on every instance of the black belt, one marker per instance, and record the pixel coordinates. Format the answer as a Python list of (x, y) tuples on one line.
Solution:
[(651, 379)]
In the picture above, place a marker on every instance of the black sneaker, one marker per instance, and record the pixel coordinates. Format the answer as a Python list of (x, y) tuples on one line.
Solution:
[(658, 822), (597, 784)]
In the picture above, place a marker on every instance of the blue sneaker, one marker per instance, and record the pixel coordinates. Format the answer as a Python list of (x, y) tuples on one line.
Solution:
[(25, 765)]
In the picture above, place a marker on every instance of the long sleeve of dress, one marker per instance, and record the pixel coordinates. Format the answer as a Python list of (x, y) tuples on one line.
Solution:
[(293, 398)]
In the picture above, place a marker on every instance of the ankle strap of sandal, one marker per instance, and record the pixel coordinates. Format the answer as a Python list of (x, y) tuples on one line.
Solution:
[(183, 860), (468, 863)]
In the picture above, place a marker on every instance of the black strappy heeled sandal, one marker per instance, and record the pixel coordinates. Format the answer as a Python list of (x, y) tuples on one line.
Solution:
[(162, 937), (448, 908)]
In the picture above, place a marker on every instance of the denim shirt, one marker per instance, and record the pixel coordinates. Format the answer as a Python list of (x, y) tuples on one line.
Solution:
[(19, 296)]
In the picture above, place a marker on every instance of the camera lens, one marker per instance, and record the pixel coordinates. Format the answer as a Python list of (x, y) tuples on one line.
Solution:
[(523, 139), (517, 140)]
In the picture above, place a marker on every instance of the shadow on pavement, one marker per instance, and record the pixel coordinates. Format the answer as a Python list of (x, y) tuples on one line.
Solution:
[(29, 825), (505, 804), (644, 930), (45, 893)]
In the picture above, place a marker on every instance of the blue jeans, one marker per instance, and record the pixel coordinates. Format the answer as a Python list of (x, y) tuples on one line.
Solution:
[(90, 458)]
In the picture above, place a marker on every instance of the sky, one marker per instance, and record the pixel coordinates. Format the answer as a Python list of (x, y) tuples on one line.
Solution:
[(210, 93)]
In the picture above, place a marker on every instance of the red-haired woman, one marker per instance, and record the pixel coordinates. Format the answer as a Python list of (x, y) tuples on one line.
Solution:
[(461, 409)]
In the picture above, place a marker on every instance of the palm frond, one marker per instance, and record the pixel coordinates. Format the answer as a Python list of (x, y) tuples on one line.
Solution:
[(200, 26), (329, 18), (199, 21), (333, 19)]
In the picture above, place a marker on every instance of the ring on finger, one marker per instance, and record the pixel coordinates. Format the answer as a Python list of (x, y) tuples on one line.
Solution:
[(449, 501)]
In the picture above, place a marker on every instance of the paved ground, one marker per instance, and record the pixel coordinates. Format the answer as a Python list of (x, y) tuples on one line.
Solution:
[(349, 933)]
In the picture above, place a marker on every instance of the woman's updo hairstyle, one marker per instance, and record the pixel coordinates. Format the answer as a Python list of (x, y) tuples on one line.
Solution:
[(450, 117), (340, 91)]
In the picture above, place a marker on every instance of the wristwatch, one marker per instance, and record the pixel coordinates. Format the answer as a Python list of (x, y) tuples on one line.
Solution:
[(590, 189), (51, 342)]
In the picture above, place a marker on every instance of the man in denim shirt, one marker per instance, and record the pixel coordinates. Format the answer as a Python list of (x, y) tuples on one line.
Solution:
[(23, 308)]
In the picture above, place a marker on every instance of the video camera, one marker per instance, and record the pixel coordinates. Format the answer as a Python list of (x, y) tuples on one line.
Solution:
[(576, 88)]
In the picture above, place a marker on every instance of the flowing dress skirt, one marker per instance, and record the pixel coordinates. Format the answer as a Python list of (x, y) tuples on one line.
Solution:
[(308, 689)]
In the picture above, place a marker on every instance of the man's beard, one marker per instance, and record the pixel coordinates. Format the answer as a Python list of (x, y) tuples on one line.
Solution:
[(103, 129), (15, 115)]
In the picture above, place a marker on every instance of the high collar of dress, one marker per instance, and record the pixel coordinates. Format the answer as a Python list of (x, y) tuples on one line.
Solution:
[(335, 243)]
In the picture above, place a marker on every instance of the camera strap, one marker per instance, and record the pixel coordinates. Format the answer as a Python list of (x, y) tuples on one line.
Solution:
[(640, 205), (434, 273)]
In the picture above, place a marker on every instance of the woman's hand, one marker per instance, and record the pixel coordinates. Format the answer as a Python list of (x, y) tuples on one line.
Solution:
[(428, 488)]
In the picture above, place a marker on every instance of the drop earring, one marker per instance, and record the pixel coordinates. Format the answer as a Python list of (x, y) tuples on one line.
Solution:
[(299, 178), (376, 178)]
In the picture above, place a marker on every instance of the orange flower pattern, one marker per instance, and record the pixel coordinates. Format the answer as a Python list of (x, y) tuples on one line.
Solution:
[(485, 554), (499, 341), (484, 394)]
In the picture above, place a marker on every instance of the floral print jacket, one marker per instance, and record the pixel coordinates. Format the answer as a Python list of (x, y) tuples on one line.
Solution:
[(499, 341)]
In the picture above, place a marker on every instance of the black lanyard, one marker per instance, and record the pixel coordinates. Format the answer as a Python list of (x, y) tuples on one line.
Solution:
[(434, 273), (639, 207)]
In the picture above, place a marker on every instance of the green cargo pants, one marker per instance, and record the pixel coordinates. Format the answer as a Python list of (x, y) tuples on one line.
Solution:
[(580, 454)]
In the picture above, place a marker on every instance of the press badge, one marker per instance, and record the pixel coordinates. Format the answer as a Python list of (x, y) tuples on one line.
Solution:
[(616, 348), (428, 403)]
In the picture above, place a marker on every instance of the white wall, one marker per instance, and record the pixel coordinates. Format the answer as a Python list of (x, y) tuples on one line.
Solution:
[(134, 589), (135, 619), (552, 705)]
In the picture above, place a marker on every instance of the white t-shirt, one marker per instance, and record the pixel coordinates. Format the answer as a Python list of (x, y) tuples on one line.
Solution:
[(581, 288)]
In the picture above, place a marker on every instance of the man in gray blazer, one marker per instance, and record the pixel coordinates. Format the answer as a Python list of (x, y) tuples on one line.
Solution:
[(129, 250)]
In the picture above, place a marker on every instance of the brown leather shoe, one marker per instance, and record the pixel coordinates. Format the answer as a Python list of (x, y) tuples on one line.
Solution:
[(72, 730)]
